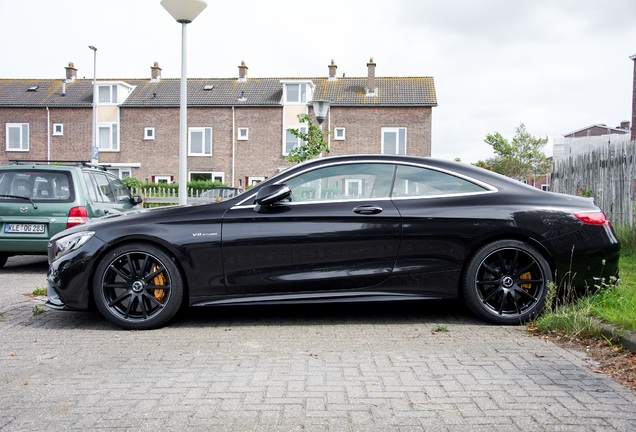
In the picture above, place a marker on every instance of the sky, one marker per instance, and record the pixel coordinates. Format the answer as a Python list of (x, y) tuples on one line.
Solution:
[(554, 65)]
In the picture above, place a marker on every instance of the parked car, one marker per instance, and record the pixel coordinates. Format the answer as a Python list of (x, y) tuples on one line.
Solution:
[(340, 229), (38, 200), (220, 193)]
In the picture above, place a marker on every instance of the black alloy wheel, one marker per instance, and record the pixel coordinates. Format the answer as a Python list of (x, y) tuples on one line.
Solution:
[(506, 282), (138, 287)]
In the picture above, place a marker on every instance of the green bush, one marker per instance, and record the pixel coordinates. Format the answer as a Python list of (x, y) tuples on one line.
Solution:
[(198, 186)]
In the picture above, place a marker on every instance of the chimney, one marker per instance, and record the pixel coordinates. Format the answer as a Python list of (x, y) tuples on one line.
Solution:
[(242, 72), (155, 73), (332, 71), (633, 137), (624, 125), (71, 73), (371, 89)]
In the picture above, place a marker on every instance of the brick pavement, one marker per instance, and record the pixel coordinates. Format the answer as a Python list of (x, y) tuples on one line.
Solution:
[(326, 368)]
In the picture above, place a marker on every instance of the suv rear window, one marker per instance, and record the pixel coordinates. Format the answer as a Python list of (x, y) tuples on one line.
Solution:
[(41, 186)]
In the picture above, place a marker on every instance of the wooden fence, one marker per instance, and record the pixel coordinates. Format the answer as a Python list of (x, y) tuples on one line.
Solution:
[(607, 174)]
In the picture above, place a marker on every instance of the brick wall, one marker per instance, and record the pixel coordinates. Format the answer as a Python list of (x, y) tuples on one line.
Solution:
[(74, 144), (363, 129), (260, 155)]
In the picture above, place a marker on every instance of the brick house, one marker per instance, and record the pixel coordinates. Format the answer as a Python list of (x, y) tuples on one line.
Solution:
[(237, 127)]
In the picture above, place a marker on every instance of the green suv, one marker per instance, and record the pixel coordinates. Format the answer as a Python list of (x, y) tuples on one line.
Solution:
[(38, 200)]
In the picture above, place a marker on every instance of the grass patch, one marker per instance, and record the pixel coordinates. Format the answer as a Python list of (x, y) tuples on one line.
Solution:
[(612, 304), (39, 291)]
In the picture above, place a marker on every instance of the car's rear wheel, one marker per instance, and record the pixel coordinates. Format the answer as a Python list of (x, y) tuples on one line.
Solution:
[(506, 282), (3, 259), (138, 286)]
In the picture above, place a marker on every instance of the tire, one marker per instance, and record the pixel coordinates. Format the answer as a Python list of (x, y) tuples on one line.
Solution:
[(3, 259), (506, 282), (138, 287)]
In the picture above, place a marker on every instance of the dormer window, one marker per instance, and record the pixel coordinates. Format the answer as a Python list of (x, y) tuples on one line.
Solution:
[(107, 93), (296, 92)]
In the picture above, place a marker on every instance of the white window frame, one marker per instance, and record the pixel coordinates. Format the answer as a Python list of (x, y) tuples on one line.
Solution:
[(58, 129), (298, 143), (22, 129), (254, 180), (243, 134), (545, 187), (113, 142), (339, 134), (109, 96), (215, 176), (204, 131), (358, 187), (163, 179), (302, 93), (396, 131), (149, 133), (305, 92)]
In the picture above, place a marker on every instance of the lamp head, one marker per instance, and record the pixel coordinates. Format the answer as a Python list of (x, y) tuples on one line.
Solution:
[(184, 11)]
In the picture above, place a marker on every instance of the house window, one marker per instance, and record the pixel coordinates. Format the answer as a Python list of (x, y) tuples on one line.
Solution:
[(149, 133), (339, 134), (291, 141), (545, 187), (162, 179), (200, 142), (108, 137), (107, 93), (296, 93), (218, 177), (122, 173), (254, 180), (243, 134), (17, 137), (394, 141), (58, 129)]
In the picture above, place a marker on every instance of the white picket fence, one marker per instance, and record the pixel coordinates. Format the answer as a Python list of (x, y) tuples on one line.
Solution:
[(164, 197)]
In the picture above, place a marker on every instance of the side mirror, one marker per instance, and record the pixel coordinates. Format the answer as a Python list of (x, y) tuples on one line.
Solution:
[(137, 200), (272, 194)]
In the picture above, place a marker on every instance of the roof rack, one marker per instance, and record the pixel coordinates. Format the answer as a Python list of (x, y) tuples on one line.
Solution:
[(82, 163)]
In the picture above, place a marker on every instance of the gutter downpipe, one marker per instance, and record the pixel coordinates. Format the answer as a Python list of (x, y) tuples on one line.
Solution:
[(48, 134), (233, 143)]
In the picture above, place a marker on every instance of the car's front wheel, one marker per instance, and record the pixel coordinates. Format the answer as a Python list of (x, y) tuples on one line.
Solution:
[(506, 282), (138, 287)]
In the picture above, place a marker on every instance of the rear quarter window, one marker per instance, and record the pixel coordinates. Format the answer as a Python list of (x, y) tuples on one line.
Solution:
[(39, 185)]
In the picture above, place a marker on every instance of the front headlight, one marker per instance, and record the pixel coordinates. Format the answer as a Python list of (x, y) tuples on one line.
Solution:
[(64, 245)]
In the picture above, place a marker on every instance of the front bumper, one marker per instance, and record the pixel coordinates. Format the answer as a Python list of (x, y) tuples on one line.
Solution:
[(69, 279)]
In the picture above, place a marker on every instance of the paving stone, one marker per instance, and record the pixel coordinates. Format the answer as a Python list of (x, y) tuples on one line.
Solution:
[(324, 368)]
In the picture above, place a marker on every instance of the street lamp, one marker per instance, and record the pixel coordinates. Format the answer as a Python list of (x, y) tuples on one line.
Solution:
[(321, 107), (94, 150), (184, 11)]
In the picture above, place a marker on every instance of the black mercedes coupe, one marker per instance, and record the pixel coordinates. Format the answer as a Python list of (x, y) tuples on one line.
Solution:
[(340, 229)]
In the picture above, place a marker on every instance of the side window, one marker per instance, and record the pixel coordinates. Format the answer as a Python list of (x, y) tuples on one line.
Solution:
[(92, 187), (104, 188), (120, 191), (421, 182), (349, 181)]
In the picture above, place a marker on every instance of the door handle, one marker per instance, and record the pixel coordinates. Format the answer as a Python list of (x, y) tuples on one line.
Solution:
[(368, 209)]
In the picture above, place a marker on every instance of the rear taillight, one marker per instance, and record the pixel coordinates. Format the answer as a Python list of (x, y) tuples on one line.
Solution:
[(593, 218), (77, 216)]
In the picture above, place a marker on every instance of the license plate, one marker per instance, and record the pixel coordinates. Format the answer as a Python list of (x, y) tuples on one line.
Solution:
[(24, 228)]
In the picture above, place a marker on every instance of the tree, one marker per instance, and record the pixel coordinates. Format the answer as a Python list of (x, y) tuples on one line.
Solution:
[(313, 141), (520, 159)]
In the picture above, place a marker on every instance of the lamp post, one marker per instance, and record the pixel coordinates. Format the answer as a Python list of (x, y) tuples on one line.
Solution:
[(94, 149), (184, 11)]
